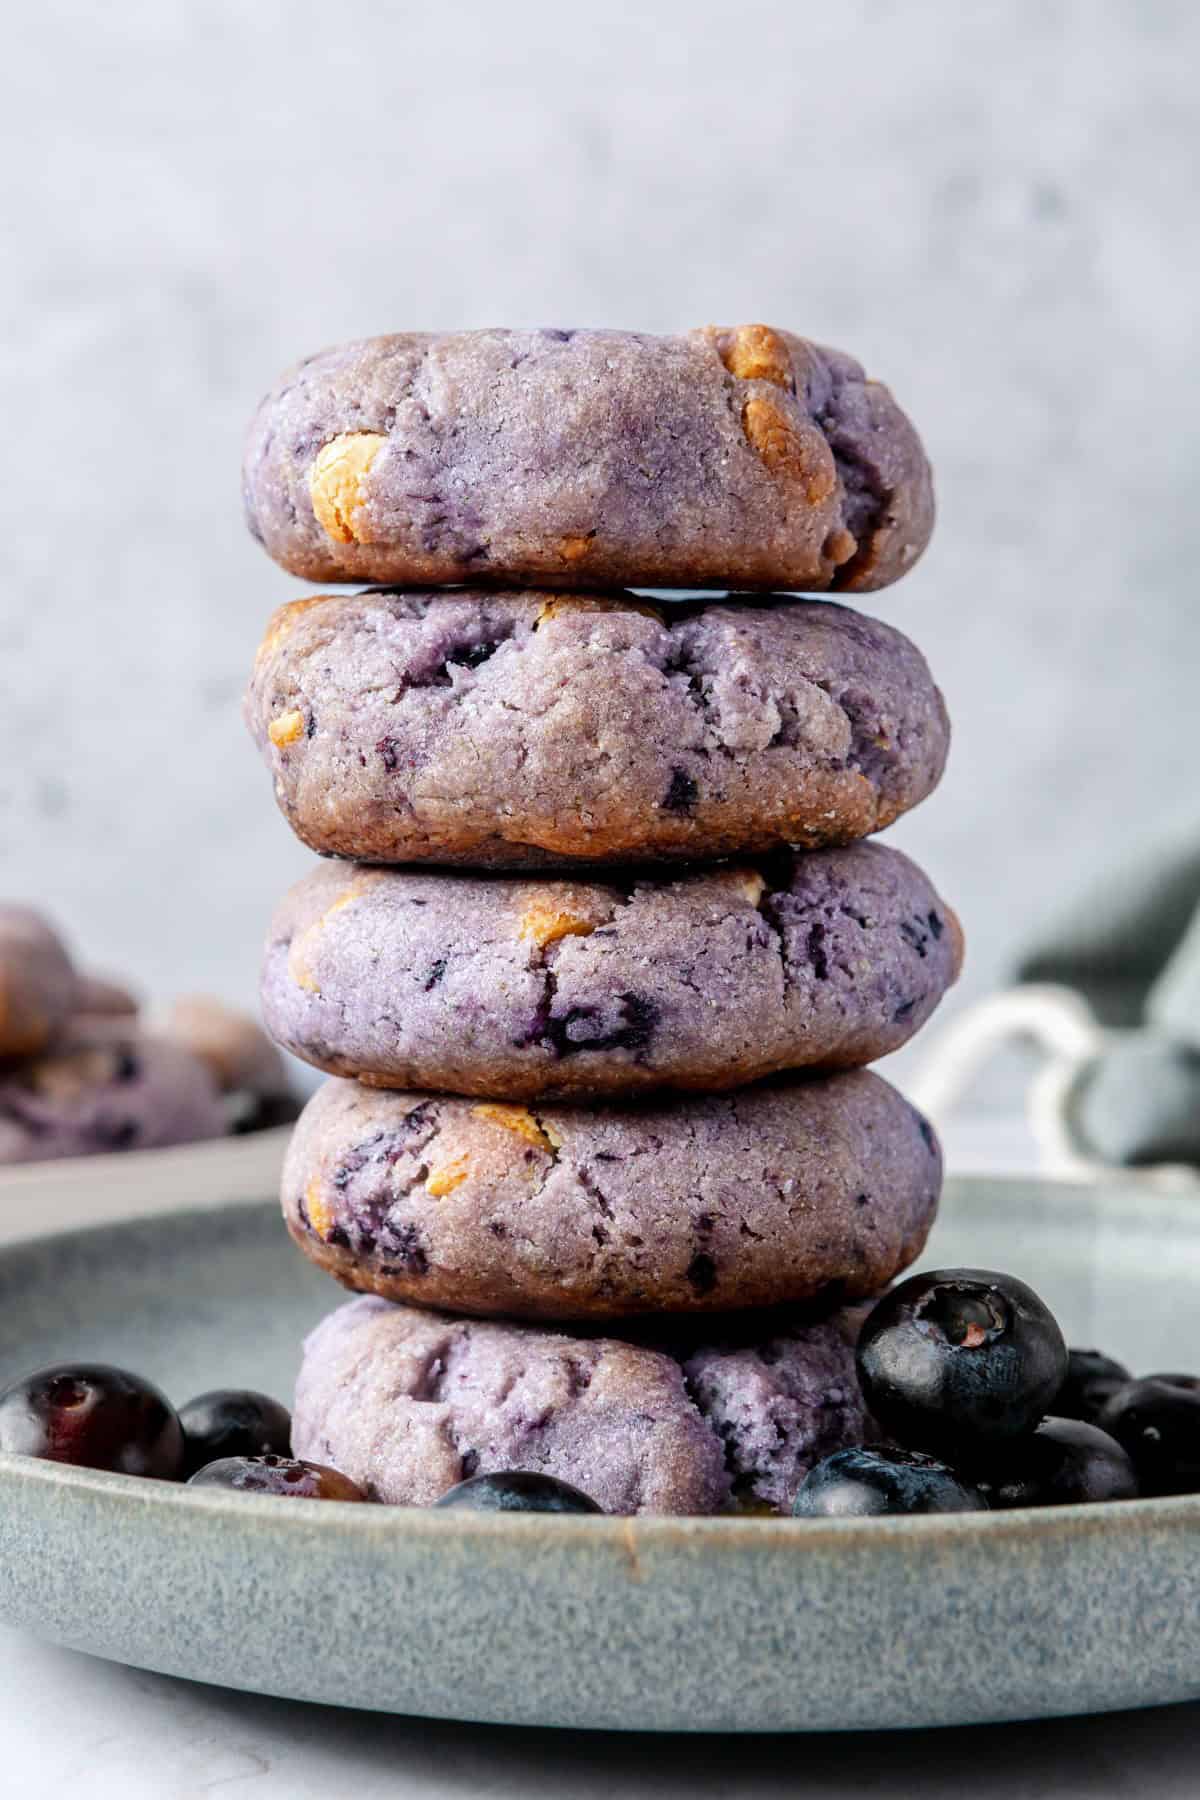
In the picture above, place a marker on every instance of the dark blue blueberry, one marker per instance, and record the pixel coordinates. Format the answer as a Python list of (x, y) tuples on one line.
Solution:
[(233, 1422), (1157, 1421), (94, 1416), (1058, 1463), (517, 1490), (1092, 1380), (283, 1476), (861, 1483), (960, 1358)]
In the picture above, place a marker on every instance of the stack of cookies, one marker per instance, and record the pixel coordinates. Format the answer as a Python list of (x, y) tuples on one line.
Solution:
[(604, 952)]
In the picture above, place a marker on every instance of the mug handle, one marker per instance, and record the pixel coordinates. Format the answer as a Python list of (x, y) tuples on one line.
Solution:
[(1060, 1023)]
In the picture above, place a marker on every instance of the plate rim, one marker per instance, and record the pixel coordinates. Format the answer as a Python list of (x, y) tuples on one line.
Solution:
[(657, 1529)]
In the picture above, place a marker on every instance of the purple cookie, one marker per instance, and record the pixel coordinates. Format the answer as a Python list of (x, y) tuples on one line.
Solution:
[(741, 456), (518, 730), (408, 1403), (768, 1196), (529, 987), (39, 988), (244, 1063), (105, 1086)]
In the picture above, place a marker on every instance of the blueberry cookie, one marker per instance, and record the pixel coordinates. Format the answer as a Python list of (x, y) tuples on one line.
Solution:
[(517, 730), (408, 1403), (769, 1196), (246, 1066), (527, 987), (39, 988), (105, 1085), (578, 459), (111, 999)]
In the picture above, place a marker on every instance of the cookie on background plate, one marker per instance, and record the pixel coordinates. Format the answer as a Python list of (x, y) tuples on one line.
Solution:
[(106, 1085), (244, 1063), (519, 987), (407, 1403), (720, 457), (782, 1194), (520, 730), (39, 988)]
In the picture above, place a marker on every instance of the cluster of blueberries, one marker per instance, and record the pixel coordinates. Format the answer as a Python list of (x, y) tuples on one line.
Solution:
[(979, 1404), (976, 1401)]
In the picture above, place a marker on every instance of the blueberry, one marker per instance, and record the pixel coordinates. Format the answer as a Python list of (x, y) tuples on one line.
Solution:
[(233, 1422), (282, 1475), (856, 1484), (959, 1358), (1092, 1380), (1061, 1461), (517, 1490), (1158, 1422), (94, 1416)]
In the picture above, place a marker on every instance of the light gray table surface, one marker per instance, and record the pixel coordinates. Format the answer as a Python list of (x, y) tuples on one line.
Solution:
[(76, 1727), (83, 1729)]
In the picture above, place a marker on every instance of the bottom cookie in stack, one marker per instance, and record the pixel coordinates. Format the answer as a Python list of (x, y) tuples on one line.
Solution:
[(682, 1271), (408, 1403)]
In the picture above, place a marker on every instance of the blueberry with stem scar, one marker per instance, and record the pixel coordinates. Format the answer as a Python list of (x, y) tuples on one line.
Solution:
[(960, 1358), (94, 1416), (285, 1476)]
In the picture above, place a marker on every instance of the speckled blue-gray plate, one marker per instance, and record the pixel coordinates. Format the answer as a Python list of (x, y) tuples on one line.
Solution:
[(717, 1624)]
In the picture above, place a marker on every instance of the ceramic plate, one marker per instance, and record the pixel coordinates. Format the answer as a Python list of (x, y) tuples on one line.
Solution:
[(717, 1624)]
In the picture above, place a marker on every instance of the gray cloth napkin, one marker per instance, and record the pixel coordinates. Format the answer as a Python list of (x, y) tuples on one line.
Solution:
[(1131, 947)]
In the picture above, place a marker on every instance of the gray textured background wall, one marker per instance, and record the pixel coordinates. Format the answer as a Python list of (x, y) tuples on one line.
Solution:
[(993, 205)]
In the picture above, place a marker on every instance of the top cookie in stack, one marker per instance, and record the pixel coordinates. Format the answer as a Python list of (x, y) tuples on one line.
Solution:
[(588, 459), (634, 884)]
